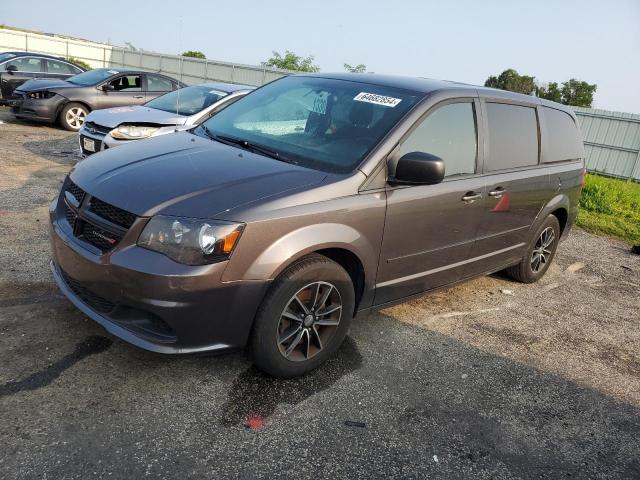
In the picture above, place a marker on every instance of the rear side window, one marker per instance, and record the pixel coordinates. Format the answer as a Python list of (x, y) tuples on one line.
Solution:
[(449, 133), (562, 140), (513, 136), (60, 67), (158, 84)]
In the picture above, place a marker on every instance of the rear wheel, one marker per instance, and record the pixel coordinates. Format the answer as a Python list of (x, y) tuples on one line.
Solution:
[(72, 116), (304, 318), (540, 253)]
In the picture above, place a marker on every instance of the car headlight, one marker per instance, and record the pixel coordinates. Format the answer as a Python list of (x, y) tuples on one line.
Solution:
[(133, 132), (43, 94), (189, 240)]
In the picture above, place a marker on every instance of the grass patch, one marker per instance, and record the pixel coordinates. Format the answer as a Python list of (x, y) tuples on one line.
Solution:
[(611, 206)]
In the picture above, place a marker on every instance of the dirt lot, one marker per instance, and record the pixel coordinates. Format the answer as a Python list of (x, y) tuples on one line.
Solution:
[(491, 379)]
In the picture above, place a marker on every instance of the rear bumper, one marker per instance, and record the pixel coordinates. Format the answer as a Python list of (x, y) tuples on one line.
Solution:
[(148, 299)]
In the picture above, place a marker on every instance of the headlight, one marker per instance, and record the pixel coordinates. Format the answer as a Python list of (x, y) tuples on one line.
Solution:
[(132, 132), (189, 240), (44, 94)]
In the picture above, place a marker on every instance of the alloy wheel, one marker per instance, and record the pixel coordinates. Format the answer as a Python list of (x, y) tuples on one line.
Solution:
[(75, 117), (543, 249), (308, 321)]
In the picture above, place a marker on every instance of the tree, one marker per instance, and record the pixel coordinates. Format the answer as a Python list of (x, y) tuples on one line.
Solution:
[(578, 93), (291, 61), (550, 92), (360, 68), (193, 54), (514, 82), (78, 62)]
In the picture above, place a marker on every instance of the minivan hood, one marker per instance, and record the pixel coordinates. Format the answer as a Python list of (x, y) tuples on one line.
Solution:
[(186, 175), (112, 117), (45, 83)]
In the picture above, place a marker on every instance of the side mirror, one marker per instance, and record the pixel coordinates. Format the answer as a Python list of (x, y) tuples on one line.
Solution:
[(107, 87), (418, 168), (11, 68)]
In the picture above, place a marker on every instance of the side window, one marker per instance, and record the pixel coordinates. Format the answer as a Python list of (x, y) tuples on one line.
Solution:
[(513, 136), (562, 141), (60, 67), (449, 133), (31, 65), (158, 84), (129, 83)]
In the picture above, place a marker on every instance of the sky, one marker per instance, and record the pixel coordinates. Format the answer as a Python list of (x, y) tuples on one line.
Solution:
[(463, 40)]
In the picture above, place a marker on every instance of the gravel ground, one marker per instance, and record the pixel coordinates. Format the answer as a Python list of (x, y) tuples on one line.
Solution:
[(490, 379)]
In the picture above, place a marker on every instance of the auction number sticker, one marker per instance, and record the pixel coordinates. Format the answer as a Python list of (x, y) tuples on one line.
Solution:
[(377, 99)]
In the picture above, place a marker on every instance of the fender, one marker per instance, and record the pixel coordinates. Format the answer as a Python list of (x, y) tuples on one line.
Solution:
[(302, 241), (559, 200)]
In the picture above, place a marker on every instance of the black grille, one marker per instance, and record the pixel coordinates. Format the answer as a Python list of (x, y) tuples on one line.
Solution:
[(70, 215), (91, 126), (95, 301), (96, 145), (76, 191), (97, 236), (113, 214)]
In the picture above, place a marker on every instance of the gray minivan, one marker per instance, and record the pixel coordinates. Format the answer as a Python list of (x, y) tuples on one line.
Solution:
[(312, 199)]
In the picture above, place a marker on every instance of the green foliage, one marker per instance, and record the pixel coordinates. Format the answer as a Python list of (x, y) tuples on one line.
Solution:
[(514, 82), (193, 54), (78, 62), (291, 61), (360, 68), (576, 93), (611, 206)]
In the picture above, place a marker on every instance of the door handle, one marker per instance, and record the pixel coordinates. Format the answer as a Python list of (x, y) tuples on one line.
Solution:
[(497, 193), (138, 96), (471, 197)]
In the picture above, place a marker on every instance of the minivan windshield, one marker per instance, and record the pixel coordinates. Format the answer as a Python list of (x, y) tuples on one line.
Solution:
[(92, 77), (187, 101), (320, 123)]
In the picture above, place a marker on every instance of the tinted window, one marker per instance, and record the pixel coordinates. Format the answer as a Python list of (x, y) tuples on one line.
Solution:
[(449, 133), (513, 136), (158, 84), (320, 123), (187, 101), (563, 141), (60, 67), (33, 65), (129, 83)]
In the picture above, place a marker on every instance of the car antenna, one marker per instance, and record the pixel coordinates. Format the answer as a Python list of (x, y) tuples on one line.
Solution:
[(181, 67)]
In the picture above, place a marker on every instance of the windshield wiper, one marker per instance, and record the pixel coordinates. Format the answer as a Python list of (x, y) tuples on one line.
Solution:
[(207, 132), (249, 146)]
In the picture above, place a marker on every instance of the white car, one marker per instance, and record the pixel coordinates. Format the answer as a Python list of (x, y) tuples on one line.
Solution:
[(174, 111)]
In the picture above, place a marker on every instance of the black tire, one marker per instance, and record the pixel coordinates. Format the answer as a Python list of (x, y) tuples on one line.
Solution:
[(67, 111), (526, 271), (269, 326)]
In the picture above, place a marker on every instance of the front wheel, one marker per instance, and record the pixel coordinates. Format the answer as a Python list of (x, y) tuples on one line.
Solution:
[(304, 318), (542, 248), (72, 116)]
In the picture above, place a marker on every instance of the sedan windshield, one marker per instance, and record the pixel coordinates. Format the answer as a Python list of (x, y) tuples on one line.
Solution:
[(320, 123), (6, 56), (187, 101), (92, 77)]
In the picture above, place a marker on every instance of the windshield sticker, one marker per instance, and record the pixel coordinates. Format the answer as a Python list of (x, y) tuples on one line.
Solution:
[(113, 72), (377, 99), (121, 110)]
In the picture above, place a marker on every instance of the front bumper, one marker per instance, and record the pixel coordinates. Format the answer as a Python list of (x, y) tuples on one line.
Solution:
[(42, 110), (101, 141), (149, 300)]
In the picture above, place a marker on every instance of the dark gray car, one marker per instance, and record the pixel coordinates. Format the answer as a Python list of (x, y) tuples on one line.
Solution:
[(310, 200), (17, 68), (70, 101)]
